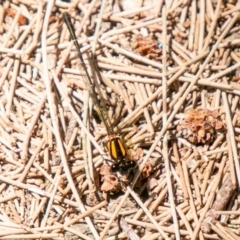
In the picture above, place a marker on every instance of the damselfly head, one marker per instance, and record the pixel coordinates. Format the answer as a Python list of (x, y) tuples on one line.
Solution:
[(124, 167)]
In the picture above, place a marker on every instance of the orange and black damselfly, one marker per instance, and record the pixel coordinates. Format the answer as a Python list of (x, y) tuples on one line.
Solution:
[(114, 145)]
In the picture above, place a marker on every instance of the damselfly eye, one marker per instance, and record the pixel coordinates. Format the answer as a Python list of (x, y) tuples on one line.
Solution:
[(115, 167), (132, 164)]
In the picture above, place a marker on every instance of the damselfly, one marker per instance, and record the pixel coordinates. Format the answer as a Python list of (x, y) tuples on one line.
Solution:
[(114, 144)]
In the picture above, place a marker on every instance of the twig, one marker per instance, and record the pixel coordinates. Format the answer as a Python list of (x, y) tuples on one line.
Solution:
[(127, 230)]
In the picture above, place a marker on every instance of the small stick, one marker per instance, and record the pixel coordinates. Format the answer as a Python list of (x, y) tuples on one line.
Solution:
[(114, 215), (180, 52), (222, 73), (151, 226), (108, 64), (7, 198), (210, 12), (201, 25), (196, 187), (184, 14), (46, 175), (155, 204), (234, 9), (134, 11), (183, 50), (10, 31), (28, 86), (16, 216), (145, 112), (78, 233), (37, 29), (151, 202), (24, 94), (136, 198), (216, 143), (6, 72), (206, 174), (193, 24), (132, 79), (25, 34), (220, 232), (178, 69), (196, 34), (129, 28), (12, 51), (133, 113), (180, 171), (209, 198), (191, 202), (1, 18), (26, 236), (130, 54), (225, 24), (31, 160), (71, 141), (87, 153), (13, 85), (231, 233), (50, 132), (157, 6), (87, 213), (233, 147), (96, 32), (127, 229), (231, 162), (213, 25), (184, 220), (30, 128), (50, 201), (19, 111)]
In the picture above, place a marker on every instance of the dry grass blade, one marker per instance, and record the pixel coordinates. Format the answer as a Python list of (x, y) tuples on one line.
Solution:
[(167, 85)]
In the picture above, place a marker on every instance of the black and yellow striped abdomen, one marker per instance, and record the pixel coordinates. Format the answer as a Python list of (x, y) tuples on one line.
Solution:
[(116, 148)]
